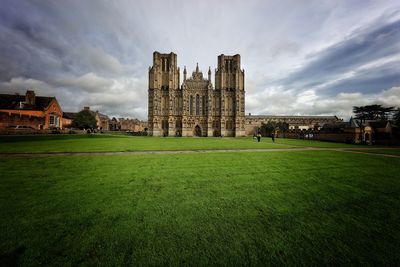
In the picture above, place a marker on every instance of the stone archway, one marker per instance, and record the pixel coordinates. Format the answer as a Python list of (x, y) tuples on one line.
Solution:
[(197, 131)]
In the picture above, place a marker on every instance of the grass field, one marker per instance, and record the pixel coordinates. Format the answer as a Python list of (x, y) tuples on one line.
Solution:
[(261, 208), (383, 151), (103, 143)]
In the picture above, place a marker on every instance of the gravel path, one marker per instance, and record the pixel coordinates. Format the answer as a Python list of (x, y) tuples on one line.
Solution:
[(348, 150)]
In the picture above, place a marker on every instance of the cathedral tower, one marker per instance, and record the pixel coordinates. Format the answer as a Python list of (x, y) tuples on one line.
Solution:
[(164, 94), (229, 82)]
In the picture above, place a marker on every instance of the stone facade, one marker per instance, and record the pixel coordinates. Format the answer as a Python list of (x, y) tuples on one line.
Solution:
[(254, 122), (196, 108), (134, 125)]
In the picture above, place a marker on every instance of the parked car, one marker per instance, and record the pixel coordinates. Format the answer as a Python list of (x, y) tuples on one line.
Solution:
[(20, 129)]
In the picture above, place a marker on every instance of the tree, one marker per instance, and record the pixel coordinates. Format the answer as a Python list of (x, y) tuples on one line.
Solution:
[(271, 127), (84, 120), (396, 117), (372, 112)]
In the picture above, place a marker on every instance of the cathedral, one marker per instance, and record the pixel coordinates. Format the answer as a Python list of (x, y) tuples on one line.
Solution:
[(196, 107)]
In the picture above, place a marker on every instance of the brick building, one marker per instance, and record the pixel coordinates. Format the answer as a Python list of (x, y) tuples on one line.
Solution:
[(38, 112)]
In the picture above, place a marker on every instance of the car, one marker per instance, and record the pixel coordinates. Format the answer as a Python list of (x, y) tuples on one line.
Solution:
[(19, 129)]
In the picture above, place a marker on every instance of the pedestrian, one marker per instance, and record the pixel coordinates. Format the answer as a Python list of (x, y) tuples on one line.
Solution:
[(258, 137), (273, 137)]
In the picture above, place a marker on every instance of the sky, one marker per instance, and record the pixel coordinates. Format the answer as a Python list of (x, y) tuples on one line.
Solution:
[(300, 57)]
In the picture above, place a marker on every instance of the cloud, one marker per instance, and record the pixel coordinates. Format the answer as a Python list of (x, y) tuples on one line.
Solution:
[(364, 45), (114, 97), (89, 82), (296, 55), (309, 103), (101, 61)]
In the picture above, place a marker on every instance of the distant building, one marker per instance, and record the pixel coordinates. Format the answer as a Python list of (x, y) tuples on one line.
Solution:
[(67, 119), (254, 122), (133, 125), (382, 132), (38, 112), (114, 125), (102, 121)]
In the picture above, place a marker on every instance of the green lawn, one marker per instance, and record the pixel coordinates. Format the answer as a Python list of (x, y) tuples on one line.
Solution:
[(103, 143), (389, 151), (314, 143), (283, 208)]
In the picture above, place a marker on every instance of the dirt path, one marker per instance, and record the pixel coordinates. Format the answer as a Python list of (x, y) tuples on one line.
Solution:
[(155, 152)]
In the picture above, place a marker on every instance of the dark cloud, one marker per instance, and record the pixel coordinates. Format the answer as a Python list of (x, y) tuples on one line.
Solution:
[(362, 47), (97, 53), (367, 81)]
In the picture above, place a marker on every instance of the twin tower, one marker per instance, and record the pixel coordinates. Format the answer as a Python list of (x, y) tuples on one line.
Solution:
[(196, 108)]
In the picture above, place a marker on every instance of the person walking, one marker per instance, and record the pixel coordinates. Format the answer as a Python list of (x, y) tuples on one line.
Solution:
[(273, 137), (258, 137)]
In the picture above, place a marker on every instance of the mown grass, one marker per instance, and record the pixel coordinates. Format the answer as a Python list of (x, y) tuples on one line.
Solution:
[(106, 143), (281, 208), (387, 151)]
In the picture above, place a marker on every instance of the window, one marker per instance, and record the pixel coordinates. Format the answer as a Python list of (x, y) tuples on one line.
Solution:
[(229, 125), (165, 103), (203, 104), (197, 105), (52, 120), (215, 124), (164, 124), (191, 105)]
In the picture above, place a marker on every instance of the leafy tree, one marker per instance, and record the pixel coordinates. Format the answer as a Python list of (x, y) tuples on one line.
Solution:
[(396, 117), (372, 112), (272, 126), (84, 120)]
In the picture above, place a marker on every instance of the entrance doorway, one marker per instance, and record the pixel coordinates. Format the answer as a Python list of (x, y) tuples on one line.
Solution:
[(165, 126), (197, 131)]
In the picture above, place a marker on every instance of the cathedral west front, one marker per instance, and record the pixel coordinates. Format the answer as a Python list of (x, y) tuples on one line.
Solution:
[(196, 107)]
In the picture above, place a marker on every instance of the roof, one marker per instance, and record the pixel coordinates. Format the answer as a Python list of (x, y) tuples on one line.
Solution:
[(290, 117), (378, 124), (337, 125), (353, 123), (101, 116), (69, 115), (13, 102)]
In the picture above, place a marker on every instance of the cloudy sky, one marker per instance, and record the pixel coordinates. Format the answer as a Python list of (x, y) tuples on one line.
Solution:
[(300, 57)]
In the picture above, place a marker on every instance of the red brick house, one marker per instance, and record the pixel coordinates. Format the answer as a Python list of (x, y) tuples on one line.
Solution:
[(38, 112)]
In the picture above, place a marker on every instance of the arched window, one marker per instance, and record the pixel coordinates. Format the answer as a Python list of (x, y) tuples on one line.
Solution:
[(203, 105), (197, 105), (191, 105)]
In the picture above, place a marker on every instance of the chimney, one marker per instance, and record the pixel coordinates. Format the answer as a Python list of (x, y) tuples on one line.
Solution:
[(30, 97)]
